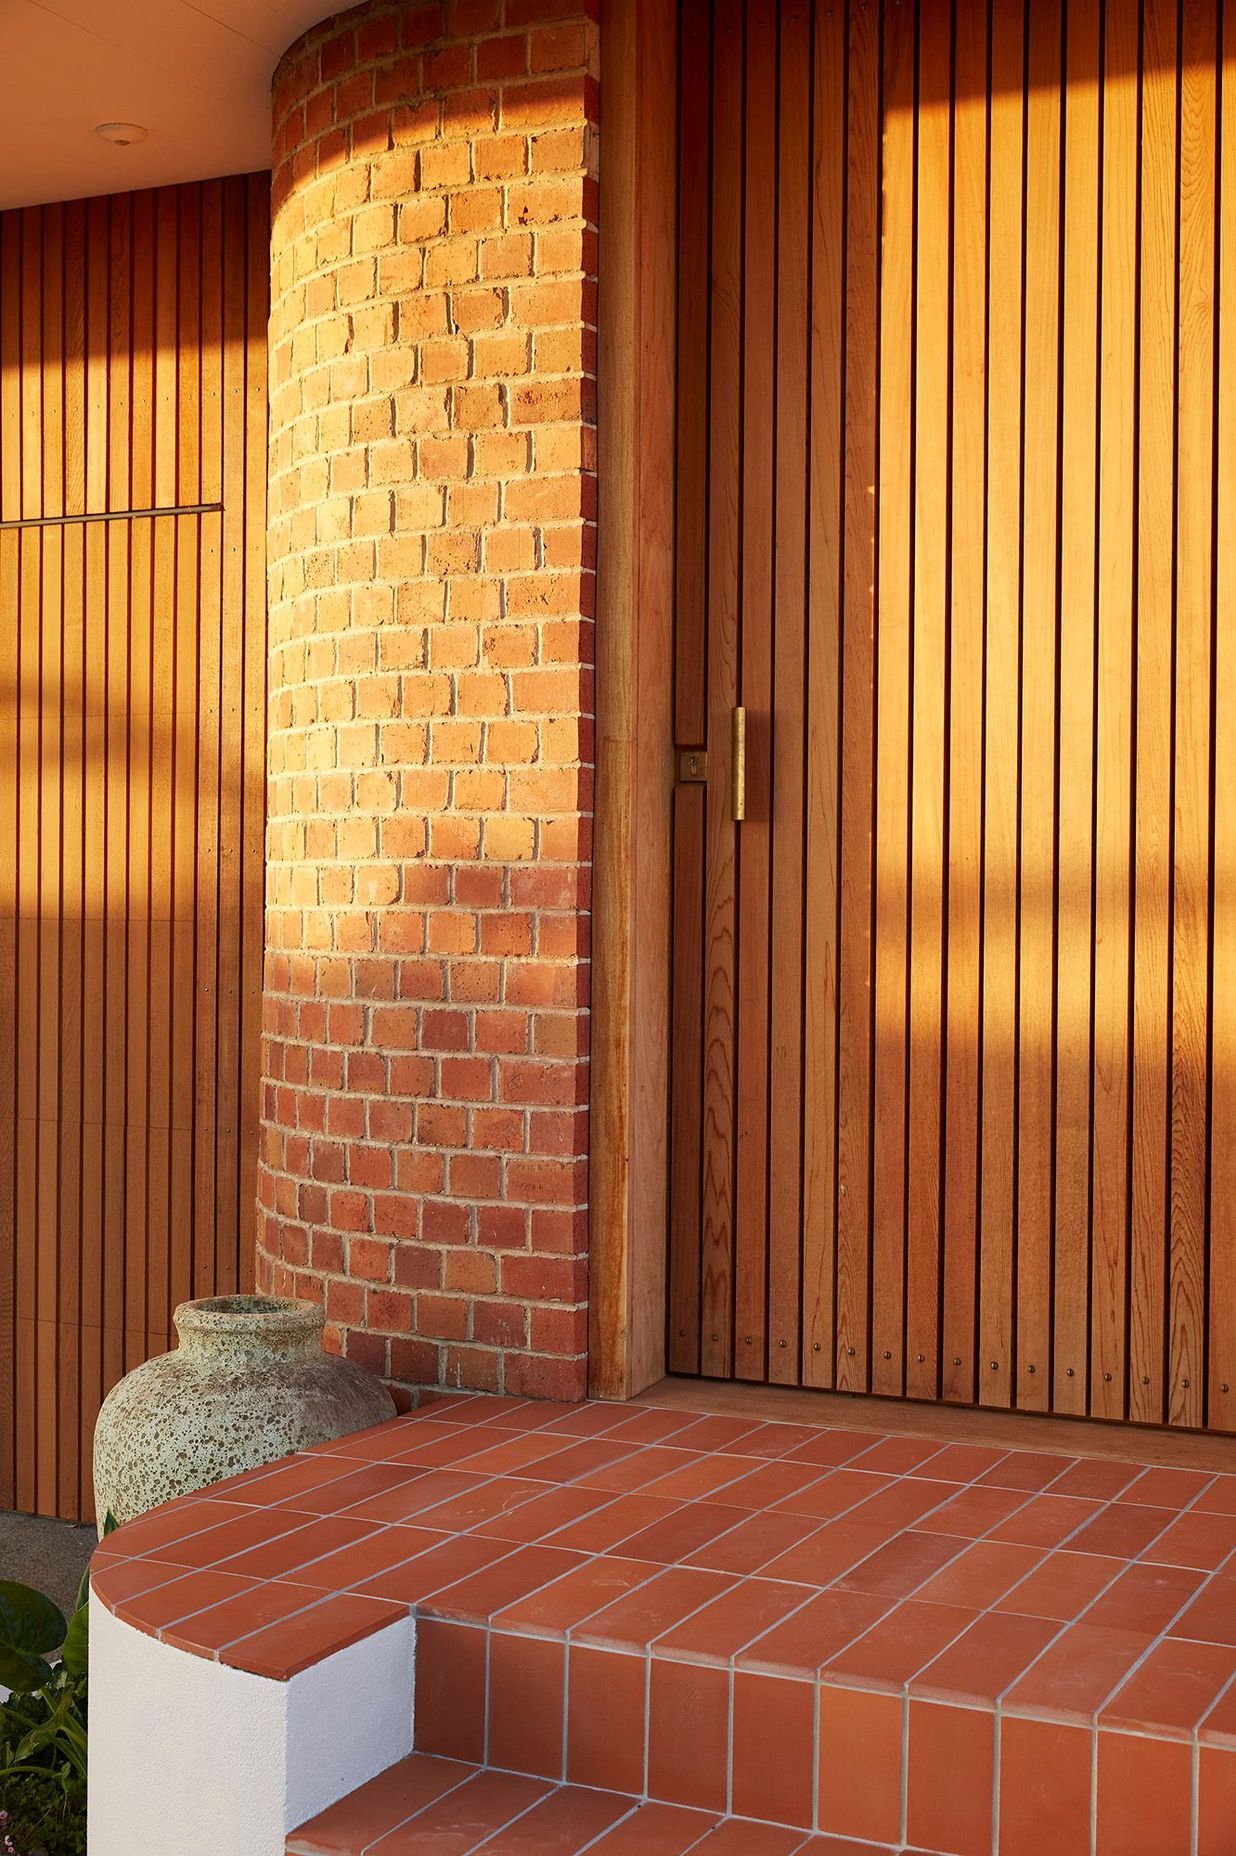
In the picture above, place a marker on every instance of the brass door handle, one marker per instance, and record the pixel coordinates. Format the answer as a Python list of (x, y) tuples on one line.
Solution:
[(738, 763)]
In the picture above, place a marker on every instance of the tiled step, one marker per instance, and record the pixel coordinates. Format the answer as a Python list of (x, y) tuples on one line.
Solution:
[(800, 1625), (822, 1671), (440, 1807), (847, 1761)]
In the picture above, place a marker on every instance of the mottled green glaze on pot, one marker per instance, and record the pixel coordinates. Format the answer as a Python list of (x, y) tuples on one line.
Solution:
[(248, 1383)]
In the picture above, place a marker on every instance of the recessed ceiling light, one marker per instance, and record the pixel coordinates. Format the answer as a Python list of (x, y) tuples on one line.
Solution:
[(121, 133)]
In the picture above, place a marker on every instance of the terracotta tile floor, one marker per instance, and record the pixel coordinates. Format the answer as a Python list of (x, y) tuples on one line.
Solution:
[(838, 1617)]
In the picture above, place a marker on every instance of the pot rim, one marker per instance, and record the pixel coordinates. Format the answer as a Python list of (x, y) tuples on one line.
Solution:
[(268, 1316)]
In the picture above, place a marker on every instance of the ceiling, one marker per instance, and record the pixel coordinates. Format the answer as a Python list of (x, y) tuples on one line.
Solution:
[(195, 73)]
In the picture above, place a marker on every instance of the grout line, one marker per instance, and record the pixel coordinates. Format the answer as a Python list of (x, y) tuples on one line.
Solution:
[(815, 1756), (904, 1774), (996, 1751), (485, 1698), (729, 1743), (566, 1710), (646, 1734), (1223, 1692)]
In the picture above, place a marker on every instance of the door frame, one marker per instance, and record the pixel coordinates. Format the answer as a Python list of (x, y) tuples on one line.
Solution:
[(637, 417)]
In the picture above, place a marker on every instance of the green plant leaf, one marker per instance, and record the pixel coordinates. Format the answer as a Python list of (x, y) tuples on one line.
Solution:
[(36, 1740), (62, 1734), (29, 1622), (75, 1649), (20, 1671), (110, 1524)]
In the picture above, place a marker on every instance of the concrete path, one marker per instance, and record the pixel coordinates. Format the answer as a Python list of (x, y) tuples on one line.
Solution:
[(49, 1554)]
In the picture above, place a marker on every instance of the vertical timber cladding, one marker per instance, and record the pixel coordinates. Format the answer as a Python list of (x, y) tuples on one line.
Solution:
[(954, 1074), (132, 696)]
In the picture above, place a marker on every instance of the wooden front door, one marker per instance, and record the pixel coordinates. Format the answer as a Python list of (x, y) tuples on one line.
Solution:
[(953, 1106)]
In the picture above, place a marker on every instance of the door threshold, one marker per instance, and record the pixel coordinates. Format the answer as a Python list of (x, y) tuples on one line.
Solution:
[(1011, 1430)]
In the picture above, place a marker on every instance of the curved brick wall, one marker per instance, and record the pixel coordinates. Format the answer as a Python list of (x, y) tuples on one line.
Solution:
[(431, 602)]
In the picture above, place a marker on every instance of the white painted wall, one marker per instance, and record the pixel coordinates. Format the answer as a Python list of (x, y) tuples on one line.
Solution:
[(187, 1755)]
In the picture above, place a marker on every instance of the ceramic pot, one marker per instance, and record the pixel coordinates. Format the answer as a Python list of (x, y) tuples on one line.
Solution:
[(248, 1383)]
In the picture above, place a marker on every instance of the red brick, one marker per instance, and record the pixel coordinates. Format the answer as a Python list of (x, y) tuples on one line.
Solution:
[(502, 57), (500, 1324), (369, 1260), (473, 1369)]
